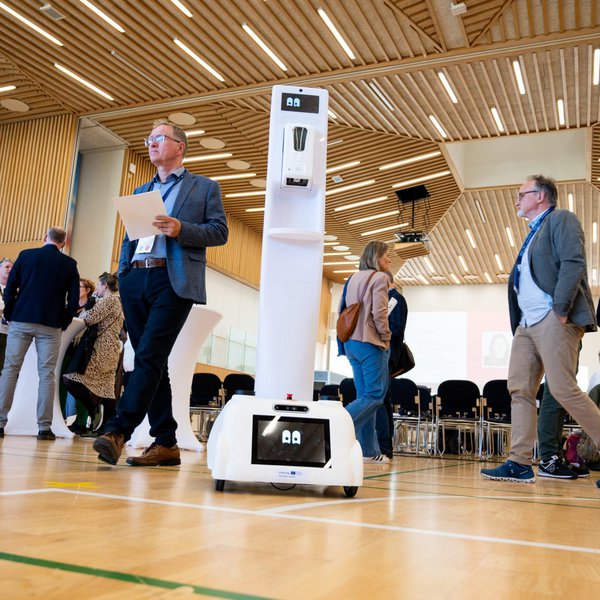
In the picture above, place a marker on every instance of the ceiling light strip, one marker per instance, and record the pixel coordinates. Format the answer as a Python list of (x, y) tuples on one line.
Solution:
[(346, 271), (496, 116), (381, 96), (511, 239), (258, 41), (103, 15), (596, 67), (373, 217), (236, 176), (7, 88), (246, 194), (422, 279), (336, 34), (189, 159), (331, 114), (352, 186), (447, 87), (410, 161), (193, 132), (455, 278), (519, 77), (437, 125), (560, 105), (89, 85), (347, 165), (570, 200), (382, 229), (594, 232), (429, 264), (359, 204), (410, 182), (184, 9), (480, 211), (199, 60), (30, 24), (499, 262), (487, 276), (471, 238), (257, 209), (463, 262)]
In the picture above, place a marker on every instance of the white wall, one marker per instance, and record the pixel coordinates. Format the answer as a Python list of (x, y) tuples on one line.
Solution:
[(95, 213), (450, 329)]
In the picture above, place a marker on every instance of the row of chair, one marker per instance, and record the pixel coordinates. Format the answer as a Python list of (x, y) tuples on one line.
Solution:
[(207, 388)]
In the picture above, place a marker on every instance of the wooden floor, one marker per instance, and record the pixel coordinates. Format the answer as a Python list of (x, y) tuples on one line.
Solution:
[(74, 528)]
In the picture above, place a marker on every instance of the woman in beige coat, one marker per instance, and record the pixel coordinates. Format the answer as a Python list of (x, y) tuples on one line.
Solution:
[(368, 346)]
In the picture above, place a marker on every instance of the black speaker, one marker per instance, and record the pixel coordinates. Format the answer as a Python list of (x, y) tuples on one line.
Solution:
[(412, 194)]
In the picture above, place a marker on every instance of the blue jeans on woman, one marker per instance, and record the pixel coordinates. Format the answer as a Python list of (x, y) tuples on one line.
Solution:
[(370, 367)]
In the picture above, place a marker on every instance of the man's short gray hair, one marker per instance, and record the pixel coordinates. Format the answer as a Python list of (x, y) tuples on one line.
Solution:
[(179, 134), (57, 235), (546, 185)]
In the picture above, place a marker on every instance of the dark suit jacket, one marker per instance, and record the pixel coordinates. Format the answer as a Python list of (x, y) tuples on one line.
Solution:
[(203, 223), (42, 288)]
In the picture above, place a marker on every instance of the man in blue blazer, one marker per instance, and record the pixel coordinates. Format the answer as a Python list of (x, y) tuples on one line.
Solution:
[(40, 300), (160, 278)]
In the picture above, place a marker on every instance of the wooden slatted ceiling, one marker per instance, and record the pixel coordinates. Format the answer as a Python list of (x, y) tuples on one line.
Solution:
[(400, 47)]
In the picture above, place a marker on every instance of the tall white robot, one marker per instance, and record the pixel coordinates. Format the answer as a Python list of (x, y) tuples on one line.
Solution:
[(281, 435)]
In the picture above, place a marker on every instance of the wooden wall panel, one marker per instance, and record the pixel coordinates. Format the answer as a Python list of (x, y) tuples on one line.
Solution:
[(36, 162)]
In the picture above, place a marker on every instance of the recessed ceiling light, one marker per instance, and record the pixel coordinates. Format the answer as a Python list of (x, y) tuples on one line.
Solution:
[(410, 182), (328, 237), (182, 118), (263, 46), (336, 263), (341, 248), (103, 15), (361, 203), (343, 166), (199, 60), (471, 238), (352, 186), (596, 67), (448, 87), (594, 232), (331, 114), (471, 276), (509, 235), (194, 132), (410, 161), (570, 200), (257, 209), (519, 77), (499, 262), (346, 271), (29, 24), (189, 159), (455, 278), (354, 257), (89, 85), (212, 143), (14, 105), (259, 183), (238, 165), (338, 36), (437, 125), (463, 262), (487, 276)]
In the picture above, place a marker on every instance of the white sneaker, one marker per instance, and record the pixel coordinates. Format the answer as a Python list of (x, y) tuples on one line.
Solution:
[(380, 458)]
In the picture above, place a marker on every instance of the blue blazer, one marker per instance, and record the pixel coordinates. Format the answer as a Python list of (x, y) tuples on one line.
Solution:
[(42, 288), (203, 223)]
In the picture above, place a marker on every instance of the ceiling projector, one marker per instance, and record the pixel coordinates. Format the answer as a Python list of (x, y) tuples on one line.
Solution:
[(411, 237)]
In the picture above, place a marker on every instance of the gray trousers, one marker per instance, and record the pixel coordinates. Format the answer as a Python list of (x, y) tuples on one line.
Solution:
[(47, 344)]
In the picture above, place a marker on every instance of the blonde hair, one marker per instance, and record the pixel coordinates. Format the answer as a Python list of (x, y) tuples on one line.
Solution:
[(371, 254)]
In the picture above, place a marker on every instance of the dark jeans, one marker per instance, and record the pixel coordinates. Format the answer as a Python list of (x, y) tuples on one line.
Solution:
[(154, 314)]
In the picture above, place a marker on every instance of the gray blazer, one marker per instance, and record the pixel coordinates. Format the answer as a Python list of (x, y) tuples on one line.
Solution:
[(203, 223), (558, 266)]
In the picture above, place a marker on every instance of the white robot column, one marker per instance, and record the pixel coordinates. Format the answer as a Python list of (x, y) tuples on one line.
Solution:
[(292, 251)]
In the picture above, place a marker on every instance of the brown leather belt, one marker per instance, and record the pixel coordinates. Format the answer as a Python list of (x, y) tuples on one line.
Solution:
[(149, 263)]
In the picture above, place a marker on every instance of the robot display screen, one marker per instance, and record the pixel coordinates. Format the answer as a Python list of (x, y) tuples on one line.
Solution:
[(293, 441), (306, 103)]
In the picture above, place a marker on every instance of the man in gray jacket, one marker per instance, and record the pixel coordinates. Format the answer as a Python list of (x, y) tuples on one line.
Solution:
[(550, 307)]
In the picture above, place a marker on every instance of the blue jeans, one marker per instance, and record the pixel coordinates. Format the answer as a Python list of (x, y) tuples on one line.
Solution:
[(47, 344), (370, 368)]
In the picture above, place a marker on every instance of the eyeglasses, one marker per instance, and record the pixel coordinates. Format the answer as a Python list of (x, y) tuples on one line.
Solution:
[(521, 194), (159, 139)]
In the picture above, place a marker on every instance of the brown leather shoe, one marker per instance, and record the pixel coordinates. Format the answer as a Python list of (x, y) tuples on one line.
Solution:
[(109, 447), (156, 455)]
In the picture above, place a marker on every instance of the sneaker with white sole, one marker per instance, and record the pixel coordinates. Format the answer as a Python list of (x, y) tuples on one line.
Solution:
[(555, 468), (510, 471), (380, 458)]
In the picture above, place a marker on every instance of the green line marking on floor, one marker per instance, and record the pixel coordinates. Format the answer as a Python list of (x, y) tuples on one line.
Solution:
[(126, 577)]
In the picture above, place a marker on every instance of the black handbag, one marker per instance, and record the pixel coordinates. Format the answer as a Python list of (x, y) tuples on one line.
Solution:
[(402, 362), (83, 351)]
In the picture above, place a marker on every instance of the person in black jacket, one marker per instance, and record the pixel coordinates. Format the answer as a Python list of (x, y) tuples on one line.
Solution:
[(397, 316), (40, 300)]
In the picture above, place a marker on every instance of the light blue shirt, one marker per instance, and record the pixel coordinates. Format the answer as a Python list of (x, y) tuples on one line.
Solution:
[(159, 249), (534, 303)]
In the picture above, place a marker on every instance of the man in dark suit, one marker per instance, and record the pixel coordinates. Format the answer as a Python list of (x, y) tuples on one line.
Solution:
[(160, 279), (40, 300)]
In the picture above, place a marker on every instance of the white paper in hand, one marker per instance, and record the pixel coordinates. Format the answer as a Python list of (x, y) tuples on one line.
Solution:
[(138, 211)]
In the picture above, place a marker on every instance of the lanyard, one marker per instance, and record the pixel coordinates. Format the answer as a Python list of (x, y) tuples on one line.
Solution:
[(165, 194), (532, 231)]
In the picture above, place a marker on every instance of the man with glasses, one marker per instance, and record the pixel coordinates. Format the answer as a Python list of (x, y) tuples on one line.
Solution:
[(550, 308), (160, 278)]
